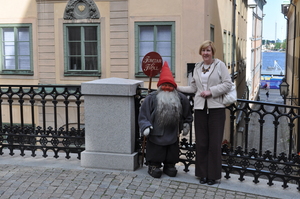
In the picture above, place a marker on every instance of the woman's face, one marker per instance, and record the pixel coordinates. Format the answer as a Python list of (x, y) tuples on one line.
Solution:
[(207, 54)]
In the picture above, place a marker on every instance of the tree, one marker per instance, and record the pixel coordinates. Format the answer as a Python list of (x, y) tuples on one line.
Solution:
[(277, 46), (283, 45)]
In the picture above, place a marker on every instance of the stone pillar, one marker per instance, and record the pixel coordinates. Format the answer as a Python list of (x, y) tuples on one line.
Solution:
[(110, 124)]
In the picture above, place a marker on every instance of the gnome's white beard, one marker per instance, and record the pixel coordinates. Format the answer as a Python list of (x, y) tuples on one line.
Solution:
[(168, 111)]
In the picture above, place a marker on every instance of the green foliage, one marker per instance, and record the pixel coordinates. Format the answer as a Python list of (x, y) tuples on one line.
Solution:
[(283, 45), (272, 45), (277, 46)]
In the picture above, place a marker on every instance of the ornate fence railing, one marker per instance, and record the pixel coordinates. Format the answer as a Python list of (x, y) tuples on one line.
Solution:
[(41, 117), (269, 146), (262, 142)]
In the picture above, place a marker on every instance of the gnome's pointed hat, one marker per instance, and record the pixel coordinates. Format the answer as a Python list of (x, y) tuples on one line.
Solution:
[(166, 76)]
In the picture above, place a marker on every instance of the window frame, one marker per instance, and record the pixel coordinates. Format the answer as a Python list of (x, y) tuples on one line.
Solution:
[(137, 25), (225, 43), (67, 71), (212, 32), (16, 71)]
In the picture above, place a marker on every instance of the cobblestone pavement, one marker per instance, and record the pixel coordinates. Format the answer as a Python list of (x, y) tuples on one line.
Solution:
[(40, 182)]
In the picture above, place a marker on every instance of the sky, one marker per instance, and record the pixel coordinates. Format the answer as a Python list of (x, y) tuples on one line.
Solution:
[(274, 18)]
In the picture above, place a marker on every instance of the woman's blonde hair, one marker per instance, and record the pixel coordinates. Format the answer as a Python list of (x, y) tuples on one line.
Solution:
[(207, 43)]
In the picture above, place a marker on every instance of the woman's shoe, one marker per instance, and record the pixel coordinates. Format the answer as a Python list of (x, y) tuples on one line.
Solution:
[(211, 182), (203, 180)]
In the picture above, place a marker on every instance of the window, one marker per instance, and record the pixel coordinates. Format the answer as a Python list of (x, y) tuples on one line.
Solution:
[(16, 49), (82, 49), (225, 47), (212, 33), (229, 49), (154, 36)]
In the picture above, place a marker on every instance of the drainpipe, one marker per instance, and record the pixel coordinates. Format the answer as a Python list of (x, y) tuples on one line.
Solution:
[(286, 51), (295, 17), (233, 43), (232, 141), (287, 45)]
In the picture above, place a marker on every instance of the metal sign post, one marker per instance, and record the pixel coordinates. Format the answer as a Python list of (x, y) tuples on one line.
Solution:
[(151, 65)]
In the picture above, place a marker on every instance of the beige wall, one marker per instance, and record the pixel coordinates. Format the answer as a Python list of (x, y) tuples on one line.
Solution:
[(292, 59), (292, 73), (254, 51), (193, 20), (17, 10), (25, 12), (188, 24)]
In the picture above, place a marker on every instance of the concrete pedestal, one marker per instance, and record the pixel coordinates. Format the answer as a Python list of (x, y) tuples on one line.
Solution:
[(110, 124)]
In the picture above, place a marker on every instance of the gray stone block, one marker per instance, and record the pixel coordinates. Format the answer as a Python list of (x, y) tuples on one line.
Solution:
[(110, 123)]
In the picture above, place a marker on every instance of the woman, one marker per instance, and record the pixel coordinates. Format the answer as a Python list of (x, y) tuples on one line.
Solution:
[(210, 81)]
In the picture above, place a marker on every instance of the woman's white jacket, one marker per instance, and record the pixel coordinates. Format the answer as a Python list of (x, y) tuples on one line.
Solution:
[(219, 82)]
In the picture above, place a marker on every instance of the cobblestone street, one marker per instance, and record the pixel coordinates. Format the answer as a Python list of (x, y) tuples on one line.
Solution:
[(38, 177)]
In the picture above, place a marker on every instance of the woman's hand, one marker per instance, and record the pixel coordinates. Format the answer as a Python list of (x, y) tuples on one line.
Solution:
[(205, 94)]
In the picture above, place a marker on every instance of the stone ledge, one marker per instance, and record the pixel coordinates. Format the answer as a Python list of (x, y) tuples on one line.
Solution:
[(116, 161), (111, 86)]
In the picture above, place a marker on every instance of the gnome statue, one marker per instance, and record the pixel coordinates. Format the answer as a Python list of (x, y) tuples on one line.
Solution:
[(164, 114)]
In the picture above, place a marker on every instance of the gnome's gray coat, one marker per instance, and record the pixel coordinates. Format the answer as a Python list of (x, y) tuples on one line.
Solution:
[(162, 135)]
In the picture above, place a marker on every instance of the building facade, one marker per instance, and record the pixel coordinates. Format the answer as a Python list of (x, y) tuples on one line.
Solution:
[(290, 10), (70, 42), (254, 46)]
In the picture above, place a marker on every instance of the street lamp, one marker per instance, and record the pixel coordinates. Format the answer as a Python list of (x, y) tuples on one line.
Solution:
[(284, 89)]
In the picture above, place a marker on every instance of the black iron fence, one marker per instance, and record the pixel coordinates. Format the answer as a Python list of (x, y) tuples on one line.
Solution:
[(274, 151), (262, 142), (41, 117)]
